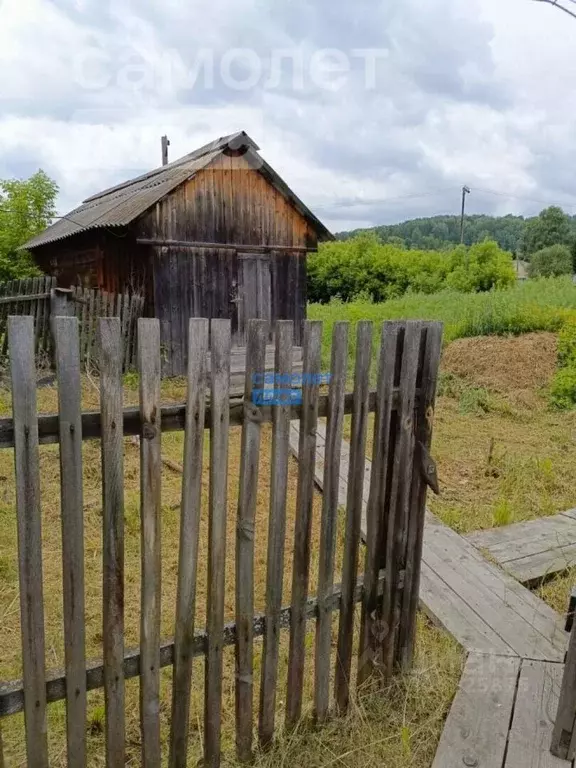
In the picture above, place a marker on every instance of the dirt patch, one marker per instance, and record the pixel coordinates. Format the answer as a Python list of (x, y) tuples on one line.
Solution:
[(510, 366)]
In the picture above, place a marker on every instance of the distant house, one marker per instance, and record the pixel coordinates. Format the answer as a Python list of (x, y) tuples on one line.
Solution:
[(214, 234)]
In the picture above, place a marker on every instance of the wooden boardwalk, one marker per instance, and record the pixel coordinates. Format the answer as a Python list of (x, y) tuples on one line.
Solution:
[(532, 550), (502, 715)]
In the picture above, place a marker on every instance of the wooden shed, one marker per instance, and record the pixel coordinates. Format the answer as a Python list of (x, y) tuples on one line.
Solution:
[(215, 234)]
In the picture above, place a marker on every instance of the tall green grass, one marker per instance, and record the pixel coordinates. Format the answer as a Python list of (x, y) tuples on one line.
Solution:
[(534, 305)]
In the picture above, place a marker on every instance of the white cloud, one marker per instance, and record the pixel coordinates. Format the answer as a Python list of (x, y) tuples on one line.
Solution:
[(478, 93)]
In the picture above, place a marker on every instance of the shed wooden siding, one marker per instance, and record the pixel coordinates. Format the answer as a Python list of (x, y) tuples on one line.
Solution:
[(228, 202), (206, 282), (98, 259)]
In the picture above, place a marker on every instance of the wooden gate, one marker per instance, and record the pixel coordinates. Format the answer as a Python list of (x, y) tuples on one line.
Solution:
[(403, 406)]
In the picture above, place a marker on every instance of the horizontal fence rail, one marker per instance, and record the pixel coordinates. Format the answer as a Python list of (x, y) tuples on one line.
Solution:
[(403, 405), (173, 418)]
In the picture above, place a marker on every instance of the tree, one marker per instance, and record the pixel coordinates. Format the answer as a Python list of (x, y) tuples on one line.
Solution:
[(551, 227), (551, 262), (26, 208)]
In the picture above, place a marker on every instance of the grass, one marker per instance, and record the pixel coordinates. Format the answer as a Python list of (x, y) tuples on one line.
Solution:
[(399, 728), (535, 305)]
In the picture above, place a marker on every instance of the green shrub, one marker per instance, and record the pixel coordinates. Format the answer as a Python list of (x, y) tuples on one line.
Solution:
[(363, 266), (563, 388), (553, 261)]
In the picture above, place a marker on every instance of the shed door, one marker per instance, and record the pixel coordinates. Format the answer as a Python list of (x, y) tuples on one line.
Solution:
[(254, 290)]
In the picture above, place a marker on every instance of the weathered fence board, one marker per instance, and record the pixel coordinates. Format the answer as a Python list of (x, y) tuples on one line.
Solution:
[(27, 469), (403, 402), (247, 499), (34, 297), (70, 407), (189, 534), (151, 550), (303, 525), (113, 537), (334, 431), (357, 462), (371, 626), (219, 393), (276, 532)]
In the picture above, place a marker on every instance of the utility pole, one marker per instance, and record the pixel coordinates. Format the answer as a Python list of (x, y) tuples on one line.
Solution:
[(465, 191), (165, 145)]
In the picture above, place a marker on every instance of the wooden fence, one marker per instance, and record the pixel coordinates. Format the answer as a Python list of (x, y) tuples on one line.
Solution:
[(388, 591), (40, 298)]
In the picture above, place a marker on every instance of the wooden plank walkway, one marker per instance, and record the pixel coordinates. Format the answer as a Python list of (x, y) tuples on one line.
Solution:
[(483, 608), (532, 550), (502, 715)]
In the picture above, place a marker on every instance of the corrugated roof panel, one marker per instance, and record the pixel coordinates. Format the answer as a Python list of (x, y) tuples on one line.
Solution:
[(122, 204)]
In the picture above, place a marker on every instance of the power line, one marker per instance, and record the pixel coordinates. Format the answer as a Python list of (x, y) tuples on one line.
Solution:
[(556, 4), (525, 197)]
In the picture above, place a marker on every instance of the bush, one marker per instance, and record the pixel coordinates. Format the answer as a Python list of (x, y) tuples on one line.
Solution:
[(563, 388), (365, 267), (551, 262)]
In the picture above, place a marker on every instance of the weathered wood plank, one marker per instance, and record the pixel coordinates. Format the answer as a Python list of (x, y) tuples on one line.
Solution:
[(151, 550), (476, 730), (218, 495), (329, 519), (526, 623), (534, 713), (563, 736), (67, 354), (110, 343), (191, 509), (173, 419), (306, 451), (531, 550), (432, 348), (247, 501), (371, 628), (356, 465), (397, 522), (446, 608), (28, 516), (276, 534)]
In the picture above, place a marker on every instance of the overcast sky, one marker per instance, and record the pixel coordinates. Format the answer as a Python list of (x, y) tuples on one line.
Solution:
[(413, 97)]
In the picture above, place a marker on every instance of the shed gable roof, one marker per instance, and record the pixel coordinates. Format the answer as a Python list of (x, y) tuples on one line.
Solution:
[(122, 204)]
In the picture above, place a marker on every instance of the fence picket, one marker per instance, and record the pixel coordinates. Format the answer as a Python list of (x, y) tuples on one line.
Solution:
[(189, 532), (28, 514), (304, 498), (70, 427), (247, 499), (220, 420), (151, 552), (329, 519), (353, 513), (276, 529), (432, 346), (110, 344), (396, 524)]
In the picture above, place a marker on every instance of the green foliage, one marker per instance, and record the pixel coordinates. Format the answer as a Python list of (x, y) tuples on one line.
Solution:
[(365, 267), (552, 261), (551, 227), (26, 208), (443, 232), (563, 388)]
